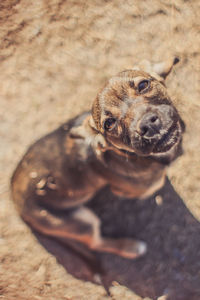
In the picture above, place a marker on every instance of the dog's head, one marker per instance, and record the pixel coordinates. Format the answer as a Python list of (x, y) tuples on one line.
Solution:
[(134, 113)]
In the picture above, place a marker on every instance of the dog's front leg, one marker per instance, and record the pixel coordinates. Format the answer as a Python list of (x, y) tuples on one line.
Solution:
[(82, 225), (128, 248)]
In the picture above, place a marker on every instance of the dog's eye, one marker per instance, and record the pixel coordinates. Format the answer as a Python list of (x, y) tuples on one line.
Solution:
[(109, 124), (143, 85)]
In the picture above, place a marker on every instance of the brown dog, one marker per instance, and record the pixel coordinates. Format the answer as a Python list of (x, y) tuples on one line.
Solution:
[(127, 140)]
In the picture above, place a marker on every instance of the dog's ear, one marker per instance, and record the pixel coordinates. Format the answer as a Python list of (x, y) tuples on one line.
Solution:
[(159, 70), (164, 68)]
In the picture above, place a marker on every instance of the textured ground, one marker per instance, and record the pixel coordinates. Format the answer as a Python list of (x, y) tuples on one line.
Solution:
[(54, 56)]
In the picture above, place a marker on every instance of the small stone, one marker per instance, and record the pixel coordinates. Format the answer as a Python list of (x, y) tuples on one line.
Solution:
[(97, 278), (159, 200)]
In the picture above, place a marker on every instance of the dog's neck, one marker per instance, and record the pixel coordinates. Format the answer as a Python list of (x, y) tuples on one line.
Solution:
[(163, 160), (125, 162), (130, 175)]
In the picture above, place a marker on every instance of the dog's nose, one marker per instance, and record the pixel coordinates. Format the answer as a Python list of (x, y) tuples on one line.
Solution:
[(149, 125)]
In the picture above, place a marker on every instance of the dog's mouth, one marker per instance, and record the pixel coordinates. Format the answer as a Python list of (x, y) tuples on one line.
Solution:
[(165, 143), (168, 139)]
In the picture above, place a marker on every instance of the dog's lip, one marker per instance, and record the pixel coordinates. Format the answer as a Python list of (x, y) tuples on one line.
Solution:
[(168, 139)]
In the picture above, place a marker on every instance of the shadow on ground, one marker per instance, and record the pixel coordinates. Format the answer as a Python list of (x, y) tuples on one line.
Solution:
[(172, 263)]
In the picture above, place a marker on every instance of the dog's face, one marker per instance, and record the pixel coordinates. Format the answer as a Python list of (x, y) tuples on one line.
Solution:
[(134, 113)]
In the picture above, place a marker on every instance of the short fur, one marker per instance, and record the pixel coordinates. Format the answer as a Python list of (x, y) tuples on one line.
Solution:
[(125, 142)]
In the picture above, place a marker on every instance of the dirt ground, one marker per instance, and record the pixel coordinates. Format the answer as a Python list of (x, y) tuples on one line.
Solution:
[(54, 57)]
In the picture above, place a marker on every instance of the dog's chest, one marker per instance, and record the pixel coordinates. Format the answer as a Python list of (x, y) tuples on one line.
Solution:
[(132, 165), (132, 176)]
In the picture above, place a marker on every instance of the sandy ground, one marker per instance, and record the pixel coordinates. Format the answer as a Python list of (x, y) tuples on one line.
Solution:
[(54, 57)]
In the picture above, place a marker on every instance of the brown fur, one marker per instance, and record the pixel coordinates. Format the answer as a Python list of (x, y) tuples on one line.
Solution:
[(62, 171)]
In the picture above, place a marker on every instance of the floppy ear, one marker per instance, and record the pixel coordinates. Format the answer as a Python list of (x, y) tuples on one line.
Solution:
[(159, 70), (164, 68)]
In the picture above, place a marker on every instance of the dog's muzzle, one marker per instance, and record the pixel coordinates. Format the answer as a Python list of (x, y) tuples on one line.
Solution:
[(149, 126), (157, 131)]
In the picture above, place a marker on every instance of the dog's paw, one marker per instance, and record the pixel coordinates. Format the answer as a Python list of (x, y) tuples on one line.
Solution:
[(127, 248)]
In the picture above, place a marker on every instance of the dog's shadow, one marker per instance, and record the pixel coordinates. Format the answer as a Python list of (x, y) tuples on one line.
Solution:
[(172, 263)]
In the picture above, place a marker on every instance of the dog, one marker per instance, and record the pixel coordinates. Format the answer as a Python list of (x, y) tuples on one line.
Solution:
[(126, 141)]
